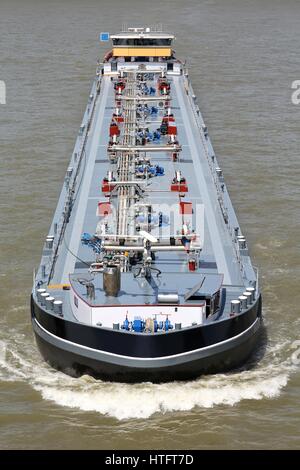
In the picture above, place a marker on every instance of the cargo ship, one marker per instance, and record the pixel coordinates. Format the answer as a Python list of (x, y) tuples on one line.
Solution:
[(145, 273)]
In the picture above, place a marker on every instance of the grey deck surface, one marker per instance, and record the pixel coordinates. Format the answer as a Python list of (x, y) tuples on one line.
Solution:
[(218, 254)]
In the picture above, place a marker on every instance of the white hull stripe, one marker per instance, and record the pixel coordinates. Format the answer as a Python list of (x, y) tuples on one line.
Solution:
[(206, 348)]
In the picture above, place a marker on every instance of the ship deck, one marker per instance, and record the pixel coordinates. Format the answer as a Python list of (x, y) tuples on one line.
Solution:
[(218, 249)]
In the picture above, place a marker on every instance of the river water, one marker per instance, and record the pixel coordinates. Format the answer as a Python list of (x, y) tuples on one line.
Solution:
[(243, 57)]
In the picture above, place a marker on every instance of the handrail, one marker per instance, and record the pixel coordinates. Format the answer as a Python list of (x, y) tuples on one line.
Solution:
[(191, 97), (87, 120), (256, 271)]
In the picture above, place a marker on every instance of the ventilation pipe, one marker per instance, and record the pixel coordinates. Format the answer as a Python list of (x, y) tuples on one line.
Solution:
[(235, 306)]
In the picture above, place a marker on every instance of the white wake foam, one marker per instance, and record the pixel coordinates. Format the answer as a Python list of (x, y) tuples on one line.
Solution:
[(126, 401), (131, 401)]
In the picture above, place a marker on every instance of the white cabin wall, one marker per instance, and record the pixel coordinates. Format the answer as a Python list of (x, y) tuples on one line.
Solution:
[(83, 313), (115, 314)]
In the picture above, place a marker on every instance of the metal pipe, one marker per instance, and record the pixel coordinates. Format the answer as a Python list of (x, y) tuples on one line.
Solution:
[(135, 70), (153, 248), (235, 306), (49, 302), (58, 307), (145, 98), (252, 292), (243, 299), (145, 148), (137, 237), (249, 297), (39, 292), (168, 298), (43, 297), (129, 183)]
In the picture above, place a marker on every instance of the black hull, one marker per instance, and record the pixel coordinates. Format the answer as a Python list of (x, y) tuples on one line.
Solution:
[(235, 340), (75, 365)]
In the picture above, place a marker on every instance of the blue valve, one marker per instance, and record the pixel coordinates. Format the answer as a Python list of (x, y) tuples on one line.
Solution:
[(126, 324)]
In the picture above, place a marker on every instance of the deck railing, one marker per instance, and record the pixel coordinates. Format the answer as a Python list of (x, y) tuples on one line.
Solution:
[(212, 163), (71, 182)]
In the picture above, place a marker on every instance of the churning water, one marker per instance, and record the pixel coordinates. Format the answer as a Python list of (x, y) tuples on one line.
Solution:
[(243, 59)]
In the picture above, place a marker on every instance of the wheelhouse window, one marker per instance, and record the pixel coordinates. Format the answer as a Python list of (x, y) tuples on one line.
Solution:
[(141, 42)]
